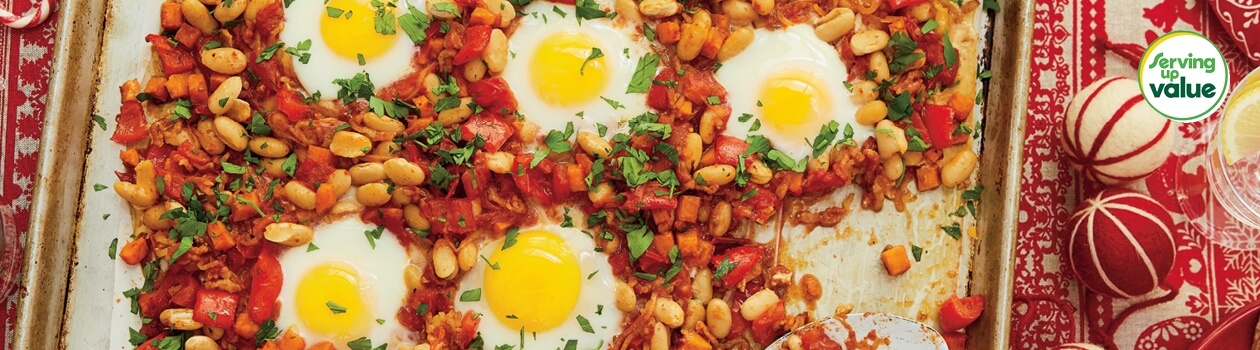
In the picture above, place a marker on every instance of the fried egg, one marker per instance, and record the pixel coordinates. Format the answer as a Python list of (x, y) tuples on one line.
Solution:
[(545, 286), (343, 41), (344, 287), (558, 76), (792, 83)]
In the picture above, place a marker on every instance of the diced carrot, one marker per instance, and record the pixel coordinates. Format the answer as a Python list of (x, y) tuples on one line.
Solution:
[(668, 32), (129, 90), (241, 209), (711, 46), (177, 86), (197, 89), (291, 341), (134, 252), (577, 179), (482, 16), (156, 87), (325, 197), (220, 238), (187, 35), (172, 15), (271, 345), (662, 242), (709, 157), (688, 209), (962, 105), (319, 155), (693, 341), (129, 157), (324, 345), (927, 177), (216, 79), (895, 260)]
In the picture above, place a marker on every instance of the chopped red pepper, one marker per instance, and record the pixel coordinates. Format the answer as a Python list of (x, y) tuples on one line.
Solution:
[(174, 60), (476, 38), (729, 149), (765, 329), (493, 95), (492, 128), (736, 262), (533, 181), (958, 313), (476, 180), (939, 121), (658, 94), (130, 124), (955, 340), (215, 308), (449, 216), (265, 287)]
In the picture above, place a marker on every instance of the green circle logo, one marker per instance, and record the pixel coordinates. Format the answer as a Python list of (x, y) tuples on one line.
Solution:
[(1183, 76)]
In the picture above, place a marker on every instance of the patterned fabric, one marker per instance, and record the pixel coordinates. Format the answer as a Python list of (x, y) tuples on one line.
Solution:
[(1077, 42), (25, 58), (1070, 51)]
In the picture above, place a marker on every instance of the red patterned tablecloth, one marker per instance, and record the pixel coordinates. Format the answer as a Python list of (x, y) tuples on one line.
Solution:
[(1051, 308)]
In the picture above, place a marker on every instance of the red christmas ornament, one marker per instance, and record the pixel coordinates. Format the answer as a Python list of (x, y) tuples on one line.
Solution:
[(1121, 243), (1111, 135)]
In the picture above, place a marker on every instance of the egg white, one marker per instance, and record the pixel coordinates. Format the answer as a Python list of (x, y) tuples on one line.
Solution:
[(302, 22), (596, 292), (794, 48), (380, 273), (622, 46)]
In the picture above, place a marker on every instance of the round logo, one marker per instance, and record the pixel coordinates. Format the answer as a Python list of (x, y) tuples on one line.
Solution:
[(1183, 76)]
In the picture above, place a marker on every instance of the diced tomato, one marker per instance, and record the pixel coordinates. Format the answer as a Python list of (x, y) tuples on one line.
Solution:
[(475, 180), (267, 72), (737, 262), (475, 40), (174, 60), (493, 95), (958, 313), (449, 216), (270, 18), (758, 205), (215, 308), (939, 121), (652, 260), (392, 220), (955, 340), (292, 105), (698, 85), (193, 154), (533, 181), (265, 287), (318, 165), (658, 94), (765, 329), (492, 129), (896, 4), (560, 182), (933, 47), (130, 124), (649, 197), (729, 149)]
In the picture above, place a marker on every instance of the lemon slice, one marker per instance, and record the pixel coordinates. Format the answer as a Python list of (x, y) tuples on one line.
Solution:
[(1240, 126)]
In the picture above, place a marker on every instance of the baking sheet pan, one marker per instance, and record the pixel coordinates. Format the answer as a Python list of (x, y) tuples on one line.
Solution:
[(69, 281)]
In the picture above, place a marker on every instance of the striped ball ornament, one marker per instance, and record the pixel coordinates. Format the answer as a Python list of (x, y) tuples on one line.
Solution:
[(1112, 136), (1122, 243), (1078, 346)]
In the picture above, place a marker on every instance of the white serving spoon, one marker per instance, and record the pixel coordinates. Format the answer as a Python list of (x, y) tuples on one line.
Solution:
[(874, 331)]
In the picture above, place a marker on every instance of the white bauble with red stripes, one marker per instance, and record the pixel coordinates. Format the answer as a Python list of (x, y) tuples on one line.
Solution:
[(1078, 346), (1121, 243), (1112, 135)]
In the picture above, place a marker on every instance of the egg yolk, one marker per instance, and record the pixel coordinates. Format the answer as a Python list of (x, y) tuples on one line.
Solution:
[(356, 35), (323, 293), (560, 72), (794, 103), (536, 284)]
